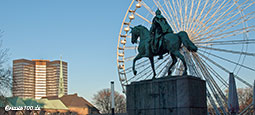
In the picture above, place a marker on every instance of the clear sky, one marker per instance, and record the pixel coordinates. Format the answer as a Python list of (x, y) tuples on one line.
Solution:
[(84, 32)]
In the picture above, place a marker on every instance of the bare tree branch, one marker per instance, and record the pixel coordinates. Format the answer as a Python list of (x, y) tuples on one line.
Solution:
[(102, 100)]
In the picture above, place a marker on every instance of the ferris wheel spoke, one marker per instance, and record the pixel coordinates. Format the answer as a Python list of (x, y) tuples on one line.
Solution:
[(164, 12), (216, 20), (141, 71), (176, 67), (191, 65), (144, 73), (210, 78), (163, 68), (185, 14), (159, 70), (172, 23), (180, 68), (167, 67), (220, 7), (216, 91), (195, 18), (214, 37), (129, 36), (179, 4), (219, 91), (232, 42), (188, 21), (131, 47), (162, 9), (156, 68), (143, 17), (129, 58), (212, 16), (227, 60), (225, 70), (191, 22), (211, 100), (174, 12), (138, 65), (221, 17), (228, 51), (196, 71), (171, 16), (211, 83), (228, 36), (224, 82), (229, 23), (142, 76), (226, 26), (199, 26), (147, 8), (241, 30)]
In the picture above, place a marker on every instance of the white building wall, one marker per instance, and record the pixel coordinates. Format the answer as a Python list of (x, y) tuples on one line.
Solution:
[(40, 81)]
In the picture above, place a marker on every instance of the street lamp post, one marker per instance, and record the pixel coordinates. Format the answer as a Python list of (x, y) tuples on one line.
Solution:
[(112, 95)]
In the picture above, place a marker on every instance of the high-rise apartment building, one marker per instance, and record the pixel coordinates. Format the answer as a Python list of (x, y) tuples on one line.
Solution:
[(39, 78)]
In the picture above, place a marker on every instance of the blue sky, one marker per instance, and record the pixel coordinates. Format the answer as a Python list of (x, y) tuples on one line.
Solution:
[(84, 32)]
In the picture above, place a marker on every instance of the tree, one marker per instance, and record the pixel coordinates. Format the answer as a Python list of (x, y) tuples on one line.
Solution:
[(102, 100), (244, 97), (5, 74)]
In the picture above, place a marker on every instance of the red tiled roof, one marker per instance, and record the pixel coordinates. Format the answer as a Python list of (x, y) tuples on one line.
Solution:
[(73, 100)]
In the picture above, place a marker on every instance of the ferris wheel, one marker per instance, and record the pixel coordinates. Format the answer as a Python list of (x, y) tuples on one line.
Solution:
[(221, 29)]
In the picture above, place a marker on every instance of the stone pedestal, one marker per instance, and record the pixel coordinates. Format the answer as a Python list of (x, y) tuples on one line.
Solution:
[(176, 95)]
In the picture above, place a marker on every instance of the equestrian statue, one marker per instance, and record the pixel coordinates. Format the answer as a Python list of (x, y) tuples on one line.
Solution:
[(159, 41)]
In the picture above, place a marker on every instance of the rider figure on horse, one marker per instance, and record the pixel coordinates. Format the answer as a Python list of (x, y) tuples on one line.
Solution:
[(158, 29)]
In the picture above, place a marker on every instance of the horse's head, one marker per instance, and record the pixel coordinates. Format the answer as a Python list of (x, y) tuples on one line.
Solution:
[(135, 34)]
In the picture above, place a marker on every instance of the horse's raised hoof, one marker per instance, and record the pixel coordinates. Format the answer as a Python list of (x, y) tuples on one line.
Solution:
[(135, 72)]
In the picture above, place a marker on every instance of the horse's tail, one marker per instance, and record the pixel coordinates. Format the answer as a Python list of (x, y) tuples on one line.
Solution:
[(186, 41)]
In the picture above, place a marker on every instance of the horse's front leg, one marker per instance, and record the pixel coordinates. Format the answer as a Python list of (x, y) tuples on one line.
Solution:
[(173, 63), (152, 66), (139, 56)]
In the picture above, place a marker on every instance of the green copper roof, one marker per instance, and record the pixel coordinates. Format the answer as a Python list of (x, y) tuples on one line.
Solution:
[(42, 103), (15, 101), (32, 102), (52, 104)]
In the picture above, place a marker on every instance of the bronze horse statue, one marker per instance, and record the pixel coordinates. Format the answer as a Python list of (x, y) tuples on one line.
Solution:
[(171, 44)]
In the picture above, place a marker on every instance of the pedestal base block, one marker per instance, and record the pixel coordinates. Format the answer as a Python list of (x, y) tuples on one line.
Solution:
[(175, 95)]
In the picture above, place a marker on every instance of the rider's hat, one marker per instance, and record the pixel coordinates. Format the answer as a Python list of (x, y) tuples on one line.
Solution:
[(158, 12)]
